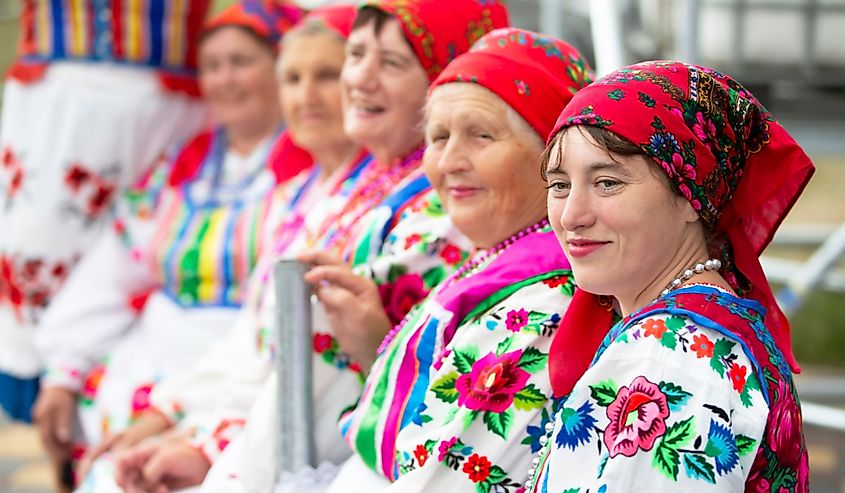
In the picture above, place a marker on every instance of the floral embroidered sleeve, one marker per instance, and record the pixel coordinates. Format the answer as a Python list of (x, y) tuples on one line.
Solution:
[(481, 417), (669, 406)]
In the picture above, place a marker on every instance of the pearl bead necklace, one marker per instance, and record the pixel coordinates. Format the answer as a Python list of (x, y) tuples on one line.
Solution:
[(535, 461), (466, 271), (710, 265)]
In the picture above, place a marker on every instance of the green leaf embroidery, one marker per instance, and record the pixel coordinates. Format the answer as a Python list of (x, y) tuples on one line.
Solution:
[(469, 418), (434, 276), (532, 360), (537, 316), (572, 490), (444, 387), (666, 460), (668, 340), (426, 418), (464, 358), (679, 433), (602, 464), (497, 474), (745, 444), (723, 347), (604, 393), (697, 467), (395, 271), (716, 364), (676, 397), (675, 323), (503, 346), (499, 423), (529, 398)]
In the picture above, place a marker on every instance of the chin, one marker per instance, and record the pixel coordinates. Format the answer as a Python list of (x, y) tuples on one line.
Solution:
[(594, 282)]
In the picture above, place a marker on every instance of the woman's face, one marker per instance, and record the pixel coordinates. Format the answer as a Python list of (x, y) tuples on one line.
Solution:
[(483, 168), (236, 75), (618, 221), (384, 90), (309, 88)]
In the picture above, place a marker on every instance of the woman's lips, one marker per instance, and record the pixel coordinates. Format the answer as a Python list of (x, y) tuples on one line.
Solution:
[(582, 248), (463, 192)]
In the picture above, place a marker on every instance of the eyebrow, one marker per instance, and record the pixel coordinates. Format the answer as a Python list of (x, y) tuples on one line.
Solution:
[(594, 167), (401, 56)]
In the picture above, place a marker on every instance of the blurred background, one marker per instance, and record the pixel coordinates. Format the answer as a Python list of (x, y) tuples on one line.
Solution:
[(791, 54)]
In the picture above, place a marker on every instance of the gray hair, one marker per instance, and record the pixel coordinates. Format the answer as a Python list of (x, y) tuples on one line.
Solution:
[(515, 120), (304, 30)]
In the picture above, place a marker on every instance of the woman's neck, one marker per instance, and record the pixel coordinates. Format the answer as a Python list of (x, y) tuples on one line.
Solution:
[(386, 155), (243, 139), (332, 158), (685, 258)]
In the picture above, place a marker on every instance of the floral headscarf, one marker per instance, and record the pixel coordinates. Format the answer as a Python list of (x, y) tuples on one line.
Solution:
[(536, 75), (440, 30), (269, 19), (338, 18), (720, 148)]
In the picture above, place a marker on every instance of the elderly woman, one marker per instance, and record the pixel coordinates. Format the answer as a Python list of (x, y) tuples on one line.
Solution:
[(678, 167), (212, 400), (458, 387), (154, 294)]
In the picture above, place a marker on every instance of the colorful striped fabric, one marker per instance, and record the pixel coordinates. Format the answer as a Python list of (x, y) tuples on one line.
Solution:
[(156, 33), (204, 254)]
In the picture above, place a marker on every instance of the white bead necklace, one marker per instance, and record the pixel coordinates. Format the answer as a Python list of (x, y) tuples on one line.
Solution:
[(709, 265)]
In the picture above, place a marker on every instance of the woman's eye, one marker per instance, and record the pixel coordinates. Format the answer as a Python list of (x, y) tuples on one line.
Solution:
[(558, 187), (608, 184)]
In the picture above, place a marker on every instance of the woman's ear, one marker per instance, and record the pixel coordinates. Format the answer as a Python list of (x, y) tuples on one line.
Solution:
[(685, 208)]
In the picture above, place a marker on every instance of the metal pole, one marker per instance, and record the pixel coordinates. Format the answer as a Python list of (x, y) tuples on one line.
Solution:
[(296, 443), (813, 271), (687, 17), (606, 31), (551, 18)]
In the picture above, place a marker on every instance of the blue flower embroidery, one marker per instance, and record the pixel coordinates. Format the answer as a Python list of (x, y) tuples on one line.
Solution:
[(575, 426), (721, 445)]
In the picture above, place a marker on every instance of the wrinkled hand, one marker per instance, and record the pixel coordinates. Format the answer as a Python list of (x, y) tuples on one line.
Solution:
[(150, 424), (160, 467), (352, 304), (54, 412)]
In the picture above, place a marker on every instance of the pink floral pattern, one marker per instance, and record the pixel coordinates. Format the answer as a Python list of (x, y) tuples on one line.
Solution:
[(492, 383), (637, 418)]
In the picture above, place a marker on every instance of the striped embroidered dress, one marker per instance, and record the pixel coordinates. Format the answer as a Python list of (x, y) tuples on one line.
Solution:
[(158, 305), (155, 33)]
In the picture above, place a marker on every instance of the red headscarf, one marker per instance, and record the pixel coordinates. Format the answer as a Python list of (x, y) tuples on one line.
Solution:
[(536, 75), (440, 30), (338, 18), (720, 148), (269, 19)]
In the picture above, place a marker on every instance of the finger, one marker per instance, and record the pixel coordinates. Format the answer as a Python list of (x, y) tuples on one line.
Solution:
[(130, 462), (339, 276), (63, 424), (92, 453), (319, 257), (156, 468), (335, 299)]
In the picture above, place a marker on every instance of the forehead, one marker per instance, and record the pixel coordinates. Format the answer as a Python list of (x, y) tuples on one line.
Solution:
[(313, 49), (227, 39), (467, 101)]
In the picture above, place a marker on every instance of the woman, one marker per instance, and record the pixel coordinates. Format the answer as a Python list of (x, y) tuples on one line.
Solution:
[(152, 297), (120, 110), (678, 167), (457, 388), (214, 398)]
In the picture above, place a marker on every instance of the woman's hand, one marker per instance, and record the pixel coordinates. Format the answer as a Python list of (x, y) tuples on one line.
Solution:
[(151, 423), (352, 304), (161, 466), (54, 413)]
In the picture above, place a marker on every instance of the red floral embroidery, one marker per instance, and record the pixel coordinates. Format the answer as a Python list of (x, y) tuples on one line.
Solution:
[(477, 467), (556, 281), (737, 375), (421, 454), (322, 342), (412, 240), (702, 346), (451, 254), (654, 327)]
